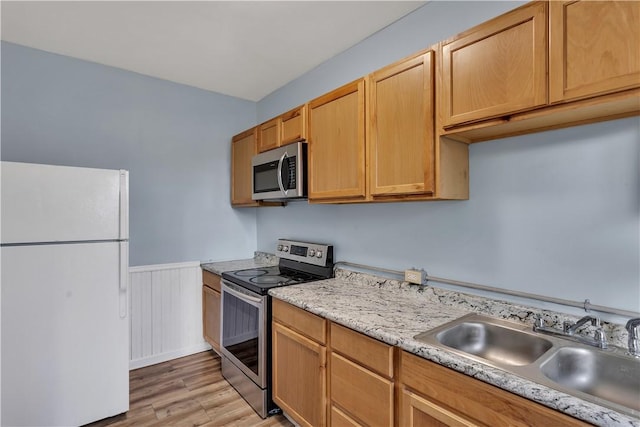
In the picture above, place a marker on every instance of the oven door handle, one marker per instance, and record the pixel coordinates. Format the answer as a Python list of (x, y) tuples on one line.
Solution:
[(242, 296)]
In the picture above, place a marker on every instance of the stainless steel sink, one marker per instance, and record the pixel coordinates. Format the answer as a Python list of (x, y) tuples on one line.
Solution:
[(605, 375), (496, 343)]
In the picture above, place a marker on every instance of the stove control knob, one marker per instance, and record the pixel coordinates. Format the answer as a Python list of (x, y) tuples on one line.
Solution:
[(286, 248), (319, 254), (312, 252), (279, 247)]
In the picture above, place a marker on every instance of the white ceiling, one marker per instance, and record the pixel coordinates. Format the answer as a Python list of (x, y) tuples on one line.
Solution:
[(245, 49)]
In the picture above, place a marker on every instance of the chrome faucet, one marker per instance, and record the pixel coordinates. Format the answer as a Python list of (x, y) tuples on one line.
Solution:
[(569, 328), (632, 328)]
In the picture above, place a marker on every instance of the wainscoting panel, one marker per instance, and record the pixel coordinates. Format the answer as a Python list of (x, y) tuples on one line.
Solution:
[(165, 312)]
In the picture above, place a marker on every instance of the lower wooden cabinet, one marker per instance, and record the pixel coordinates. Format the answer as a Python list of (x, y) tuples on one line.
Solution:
[(299, 365), (432, 395), (211, 309), (366, 382)]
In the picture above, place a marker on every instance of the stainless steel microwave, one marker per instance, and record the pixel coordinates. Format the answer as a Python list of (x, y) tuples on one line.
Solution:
[(280, 173)]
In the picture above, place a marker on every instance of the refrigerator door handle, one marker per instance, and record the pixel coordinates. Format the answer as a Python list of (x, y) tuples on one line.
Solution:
[(124, 204), (124, 278)]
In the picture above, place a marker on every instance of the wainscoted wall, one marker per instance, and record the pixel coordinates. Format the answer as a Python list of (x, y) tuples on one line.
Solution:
[(165, 312)]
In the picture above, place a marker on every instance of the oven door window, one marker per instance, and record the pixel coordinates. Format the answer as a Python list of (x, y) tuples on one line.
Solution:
[(242, 331)]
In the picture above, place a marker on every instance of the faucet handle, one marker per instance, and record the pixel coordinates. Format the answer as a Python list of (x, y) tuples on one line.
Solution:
[(566, 326), (601, 338), (538, 322)]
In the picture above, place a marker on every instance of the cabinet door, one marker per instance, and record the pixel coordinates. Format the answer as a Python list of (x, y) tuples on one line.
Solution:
[(299, 380), (269, 135), (294, 125), (243, 148), (211, 316), (336, 144), (401, 139), (416, 411), (496, 69), (594, 48)]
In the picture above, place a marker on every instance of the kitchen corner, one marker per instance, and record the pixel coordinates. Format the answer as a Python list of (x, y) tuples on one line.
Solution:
[(394, 312)]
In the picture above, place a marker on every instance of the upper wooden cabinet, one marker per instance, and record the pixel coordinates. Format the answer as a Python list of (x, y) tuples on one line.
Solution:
[(294, 125), (497, 68), (594, 48), (493, 85), (243, 148), (400, 142), (284, 129), (337, 144), (270, 134)]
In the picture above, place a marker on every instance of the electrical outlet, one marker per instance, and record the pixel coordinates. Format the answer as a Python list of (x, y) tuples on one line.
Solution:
[(415, 276)]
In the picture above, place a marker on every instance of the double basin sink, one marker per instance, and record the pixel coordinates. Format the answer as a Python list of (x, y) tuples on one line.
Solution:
[(607, 377)]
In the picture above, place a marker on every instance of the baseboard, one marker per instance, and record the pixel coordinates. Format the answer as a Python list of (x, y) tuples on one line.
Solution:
[(165, 357)]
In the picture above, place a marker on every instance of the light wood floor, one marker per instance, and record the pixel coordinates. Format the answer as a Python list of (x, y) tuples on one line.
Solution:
[(189, 391)]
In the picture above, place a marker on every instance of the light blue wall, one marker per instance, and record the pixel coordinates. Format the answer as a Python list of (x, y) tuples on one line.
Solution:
[(555, 213), (174, 140)]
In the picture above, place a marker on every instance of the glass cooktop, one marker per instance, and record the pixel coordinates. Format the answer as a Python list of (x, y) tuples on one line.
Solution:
[(260, 280)]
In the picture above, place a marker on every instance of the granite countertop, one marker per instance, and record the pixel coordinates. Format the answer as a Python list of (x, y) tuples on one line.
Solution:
[(394, 312), (260, 259)]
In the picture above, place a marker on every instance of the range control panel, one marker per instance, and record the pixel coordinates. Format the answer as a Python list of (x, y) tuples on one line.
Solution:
[(311, 253)]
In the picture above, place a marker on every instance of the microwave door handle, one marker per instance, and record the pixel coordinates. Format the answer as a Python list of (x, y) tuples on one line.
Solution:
[(280, 184)]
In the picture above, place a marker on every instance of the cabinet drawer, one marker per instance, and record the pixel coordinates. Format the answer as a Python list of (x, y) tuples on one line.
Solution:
[(369, 352), (211, 280), (364, 394), (474, 399), (306, 323)]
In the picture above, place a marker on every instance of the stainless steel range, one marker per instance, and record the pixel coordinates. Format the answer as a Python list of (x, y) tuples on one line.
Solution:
[(246, 316)]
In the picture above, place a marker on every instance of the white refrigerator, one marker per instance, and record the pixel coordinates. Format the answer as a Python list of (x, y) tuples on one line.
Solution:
[(64, 309)]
